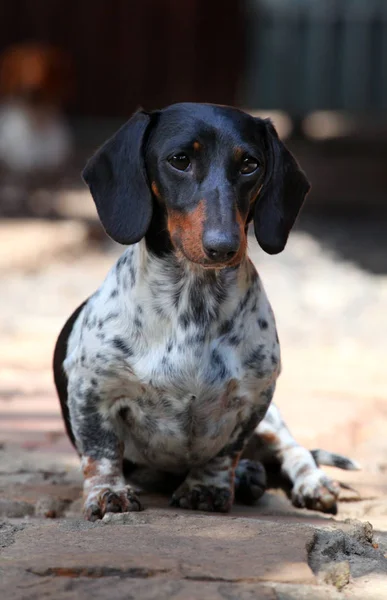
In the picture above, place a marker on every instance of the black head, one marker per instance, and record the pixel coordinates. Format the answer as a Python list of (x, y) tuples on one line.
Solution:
[(191, 177)]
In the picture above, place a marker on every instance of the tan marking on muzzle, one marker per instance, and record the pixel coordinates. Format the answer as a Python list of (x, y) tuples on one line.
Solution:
[(186, 231)]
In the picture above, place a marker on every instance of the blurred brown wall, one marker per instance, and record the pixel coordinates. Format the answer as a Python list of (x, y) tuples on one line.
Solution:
[(125, 53)]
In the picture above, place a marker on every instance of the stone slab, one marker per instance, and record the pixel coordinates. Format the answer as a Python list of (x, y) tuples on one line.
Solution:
[(163, 543)]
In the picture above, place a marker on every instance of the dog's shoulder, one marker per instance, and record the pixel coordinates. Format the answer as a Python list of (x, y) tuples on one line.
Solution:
[(102, 312)]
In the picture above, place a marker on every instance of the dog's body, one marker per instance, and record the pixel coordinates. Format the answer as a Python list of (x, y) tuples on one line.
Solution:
[(171, 365)]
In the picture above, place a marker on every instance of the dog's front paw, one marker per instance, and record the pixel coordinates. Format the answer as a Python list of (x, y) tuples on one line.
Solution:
[(314, 490), (99, 503), (203, 497)]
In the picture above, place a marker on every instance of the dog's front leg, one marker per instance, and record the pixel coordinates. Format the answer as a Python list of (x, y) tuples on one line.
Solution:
[(104, 488)]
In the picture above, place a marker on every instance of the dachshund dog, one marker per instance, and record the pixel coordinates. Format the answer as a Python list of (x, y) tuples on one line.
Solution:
[(170, 366)]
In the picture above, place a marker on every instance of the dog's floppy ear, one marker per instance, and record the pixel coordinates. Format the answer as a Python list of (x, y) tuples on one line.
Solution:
[(282, 195), (118, 182)]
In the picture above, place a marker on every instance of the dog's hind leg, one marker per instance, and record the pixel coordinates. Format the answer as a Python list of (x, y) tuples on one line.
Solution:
[(294, 468)]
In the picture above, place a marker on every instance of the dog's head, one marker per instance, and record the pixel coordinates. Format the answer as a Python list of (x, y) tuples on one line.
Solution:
[(193, 176)]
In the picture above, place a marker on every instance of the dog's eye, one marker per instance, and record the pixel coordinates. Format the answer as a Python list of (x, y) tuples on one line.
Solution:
[(249, 165), (181, 162)]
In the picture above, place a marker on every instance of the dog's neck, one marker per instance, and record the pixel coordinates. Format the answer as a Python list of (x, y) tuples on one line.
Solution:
[(177, 287)]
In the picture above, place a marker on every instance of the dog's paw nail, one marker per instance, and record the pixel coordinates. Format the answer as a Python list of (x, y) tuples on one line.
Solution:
[(93, 513), (134, 503)]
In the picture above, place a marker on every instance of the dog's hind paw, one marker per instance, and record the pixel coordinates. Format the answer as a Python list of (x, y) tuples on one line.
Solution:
[(315, 491)]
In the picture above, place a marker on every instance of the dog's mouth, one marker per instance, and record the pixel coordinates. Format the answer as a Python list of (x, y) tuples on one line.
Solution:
[(207, 263)]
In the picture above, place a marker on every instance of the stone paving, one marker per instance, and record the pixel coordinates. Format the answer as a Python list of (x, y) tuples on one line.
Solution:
[(333, 393)]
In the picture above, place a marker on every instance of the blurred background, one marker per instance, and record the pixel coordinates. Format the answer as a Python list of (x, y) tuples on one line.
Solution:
[(72, 71)]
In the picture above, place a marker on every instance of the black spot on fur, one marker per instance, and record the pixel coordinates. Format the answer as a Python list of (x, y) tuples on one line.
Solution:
[(93, 322), (198, 304), (114, 293), (218, 368), (121, 345), (79, 387), (105, 372), (253, 275), (197, 338), (158, 310), (267, 396), (242, 433), (234, 340), (167, 405), (220, 284), (263, 324), (225, 327), (132, 276), (169, 346), (184, 320), (216, 358), (243, 303), (121, 262), (255, 361)]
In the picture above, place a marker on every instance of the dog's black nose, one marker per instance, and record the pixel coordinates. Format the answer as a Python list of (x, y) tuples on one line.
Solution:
[(220, 245)]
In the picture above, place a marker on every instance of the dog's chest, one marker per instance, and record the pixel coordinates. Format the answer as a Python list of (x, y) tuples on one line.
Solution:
[(180, 408), (181, 412), (175, 429), (180, 376)]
